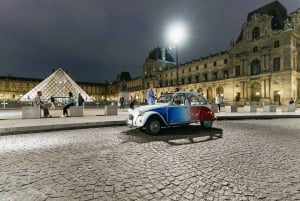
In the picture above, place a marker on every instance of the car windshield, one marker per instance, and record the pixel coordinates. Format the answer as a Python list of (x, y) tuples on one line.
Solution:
[(165, 98)]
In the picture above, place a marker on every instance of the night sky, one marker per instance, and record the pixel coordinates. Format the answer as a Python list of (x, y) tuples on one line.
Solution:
[(95, 40)]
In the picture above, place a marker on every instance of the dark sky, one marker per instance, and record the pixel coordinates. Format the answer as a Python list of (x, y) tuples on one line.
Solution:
[(95, 40)]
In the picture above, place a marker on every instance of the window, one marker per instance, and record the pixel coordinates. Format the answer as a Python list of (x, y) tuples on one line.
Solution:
[(205, 65), (276, 64), (237, 71), (197, 78), (276, 44), (225, 73), (205, 77), (254, 49), (225, 61), (189, 69), (197, 67), (182, 81), (190, 80), (255, 67), (182, 71), (215, 63), (215, 74), (255, 33)]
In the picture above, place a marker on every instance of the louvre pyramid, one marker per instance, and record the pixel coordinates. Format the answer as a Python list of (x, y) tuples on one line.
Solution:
[(58, 85)]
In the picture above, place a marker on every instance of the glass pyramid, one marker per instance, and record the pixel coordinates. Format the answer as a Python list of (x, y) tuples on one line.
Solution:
[(58, 85)]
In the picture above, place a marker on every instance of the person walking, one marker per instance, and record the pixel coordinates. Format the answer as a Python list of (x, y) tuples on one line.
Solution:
[(132, 101), (218, 101), (71, 102), (38, 102), (150, 96)]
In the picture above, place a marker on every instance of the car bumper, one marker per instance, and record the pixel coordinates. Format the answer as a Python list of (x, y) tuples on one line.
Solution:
[(135, 121)]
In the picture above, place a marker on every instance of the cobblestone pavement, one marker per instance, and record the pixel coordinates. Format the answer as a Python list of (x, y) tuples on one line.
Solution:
[(253, 160)]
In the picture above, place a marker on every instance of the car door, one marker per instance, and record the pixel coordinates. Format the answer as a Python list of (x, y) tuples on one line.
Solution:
[(178, 110), (194, 107)]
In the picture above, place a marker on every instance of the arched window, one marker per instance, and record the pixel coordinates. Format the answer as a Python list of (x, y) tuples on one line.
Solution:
[(255, 67), (255, 33)]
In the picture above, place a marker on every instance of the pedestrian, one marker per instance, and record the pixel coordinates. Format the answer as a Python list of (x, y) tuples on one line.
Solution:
[(80, 100), (132, 101), (122, 102), (218, 101), (292, 102), (150, 96), (38, 102), (52, 100), (71, 102)]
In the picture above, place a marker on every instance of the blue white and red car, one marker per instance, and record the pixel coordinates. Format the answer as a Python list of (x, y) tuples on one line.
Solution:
[(174, 109)]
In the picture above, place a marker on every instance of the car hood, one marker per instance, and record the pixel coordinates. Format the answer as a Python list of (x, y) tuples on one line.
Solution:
[(150, 107)]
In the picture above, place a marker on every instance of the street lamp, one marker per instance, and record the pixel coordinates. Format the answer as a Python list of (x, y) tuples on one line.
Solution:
[(176, 34), (279, 102), (257, 96)]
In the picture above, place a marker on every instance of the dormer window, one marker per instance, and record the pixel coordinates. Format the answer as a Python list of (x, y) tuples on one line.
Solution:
[(255, 33)]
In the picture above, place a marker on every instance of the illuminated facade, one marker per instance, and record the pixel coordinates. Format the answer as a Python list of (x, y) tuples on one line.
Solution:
[(262, 65)]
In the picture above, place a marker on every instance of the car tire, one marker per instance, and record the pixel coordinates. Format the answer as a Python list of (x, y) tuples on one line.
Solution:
[(153, 126), (206, 124)]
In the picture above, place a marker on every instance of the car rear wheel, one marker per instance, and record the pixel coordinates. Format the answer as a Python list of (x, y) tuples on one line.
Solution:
[(206, 124), (153, 126)]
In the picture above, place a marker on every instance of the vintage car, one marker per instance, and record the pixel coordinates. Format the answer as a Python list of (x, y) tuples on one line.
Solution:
[(176, 109)]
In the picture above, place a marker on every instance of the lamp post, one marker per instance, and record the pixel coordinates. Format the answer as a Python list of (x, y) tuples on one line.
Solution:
[(176, 34), (257, 97), (279, 102), (177, 66)]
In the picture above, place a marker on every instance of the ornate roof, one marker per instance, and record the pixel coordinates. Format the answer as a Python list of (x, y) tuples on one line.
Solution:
[(275, 9), (160, 54)]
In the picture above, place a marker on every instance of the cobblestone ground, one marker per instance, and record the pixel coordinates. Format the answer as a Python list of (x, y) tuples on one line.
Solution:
[(253, 160)]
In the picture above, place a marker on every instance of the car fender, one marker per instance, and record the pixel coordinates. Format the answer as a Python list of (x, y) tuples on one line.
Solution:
[(149, 114), (207, 114)]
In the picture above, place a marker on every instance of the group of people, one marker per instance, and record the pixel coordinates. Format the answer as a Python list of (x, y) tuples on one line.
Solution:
[(70, 102), (132, 102)]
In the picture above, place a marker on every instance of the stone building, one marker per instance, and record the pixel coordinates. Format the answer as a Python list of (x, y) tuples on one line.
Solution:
[(261, 66)]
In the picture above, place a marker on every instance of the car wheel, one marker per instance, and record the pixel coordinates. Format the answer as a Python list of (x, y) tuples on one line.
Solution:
[(206, 124), (153, 126)]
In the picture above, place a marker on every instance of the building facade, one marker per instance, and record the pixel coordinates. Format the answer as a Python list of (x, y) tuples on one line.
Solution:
[(261, 66)]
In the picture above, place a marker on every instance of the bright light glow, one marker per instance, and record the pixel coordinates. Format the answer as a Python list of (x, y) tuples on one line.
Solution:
[(177, 33)]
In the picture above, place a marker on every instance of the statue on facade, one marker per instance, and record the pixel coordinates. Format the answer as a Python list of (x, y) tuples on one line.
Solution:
[(124, 86)]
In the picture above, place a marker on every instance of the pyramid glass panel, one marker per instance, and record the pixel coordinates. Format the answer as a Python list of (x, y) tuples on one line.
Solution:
[(58, 85)]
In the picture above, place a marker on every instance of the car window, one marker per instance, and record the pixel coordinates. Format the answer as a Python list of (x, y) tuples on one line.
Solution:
[(193, 100), (178, 99), (164, 98), (202, 100)]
